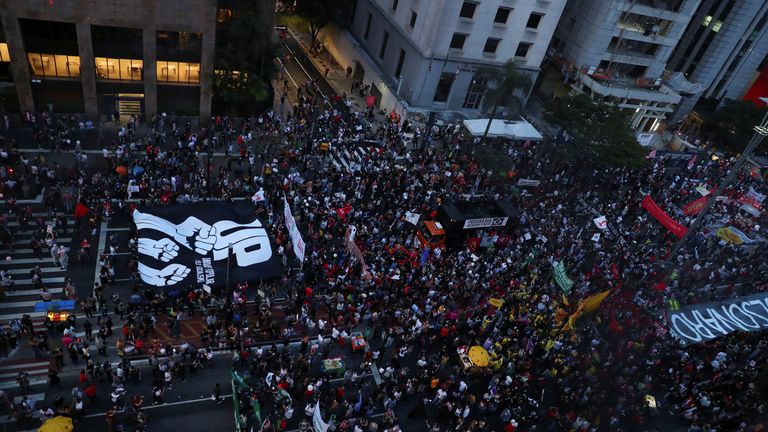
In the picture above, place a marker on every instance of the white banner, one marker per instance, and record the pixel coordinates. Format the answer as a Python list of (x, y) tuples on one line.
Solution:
[(293, 231), (412, 218), (528, 182), (600, 222), (317, 420), (485, 222), (703, 322)]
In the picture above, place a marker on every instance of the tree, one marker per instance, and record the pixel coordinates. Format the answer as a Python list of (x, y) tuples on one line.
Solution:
[(244, 65), (508, 86), (318, 13), (601, 133), (730, 127)]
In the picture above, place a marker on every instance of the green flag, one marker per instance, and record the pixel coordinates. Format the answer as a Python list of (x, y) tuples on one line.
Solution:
[(562, 279)]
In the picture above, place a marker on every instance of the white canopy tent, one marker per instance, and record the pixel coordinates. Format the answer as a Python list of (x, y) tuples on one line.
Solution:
[(513, 129)]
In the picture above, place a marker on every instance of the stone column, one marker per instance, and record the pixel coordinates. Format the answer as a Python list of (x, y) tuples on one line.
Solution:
[(87, 71), (150, 73), (19, 63), (206, 75)]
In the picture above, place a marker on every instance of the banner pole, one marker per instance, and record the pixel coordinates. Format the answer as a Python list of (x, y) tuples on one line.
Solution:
[(229, 259)]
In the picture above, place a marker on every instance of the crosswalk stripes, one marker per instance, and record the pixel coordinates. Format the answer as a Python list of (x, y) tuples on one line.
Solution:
[(352, 157), (23, 297)]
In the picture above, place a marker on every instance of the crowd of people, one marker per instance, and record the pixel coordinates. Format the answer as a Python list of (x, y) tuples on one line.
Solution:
[(618, 368)]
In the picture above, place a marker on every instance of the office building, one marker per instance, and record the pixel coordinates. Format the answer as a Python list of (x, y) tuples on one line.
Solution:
[(428, 51), (617, 51), (724, 50), (98, 57)]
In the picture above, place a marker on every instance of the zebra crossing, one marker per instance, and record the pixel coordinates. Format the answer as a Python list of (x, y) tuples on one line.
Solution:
[(22, 297), (353, 157)]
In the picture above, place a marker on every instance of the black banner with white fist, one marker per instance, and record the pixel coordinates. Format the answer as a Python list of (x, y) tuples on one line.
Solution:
[(187, 244)]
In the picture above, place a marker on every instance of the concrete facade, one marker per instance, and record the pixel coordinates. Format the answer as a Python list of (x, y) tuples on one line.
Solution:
[(722, 50), (194, 16), (421, 33), (619, 52)]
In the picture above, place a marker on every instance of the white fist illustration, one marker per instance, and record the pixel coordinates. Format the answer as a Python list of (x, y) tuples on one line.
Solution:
[(170, 275), (164, 249), (196, 235)]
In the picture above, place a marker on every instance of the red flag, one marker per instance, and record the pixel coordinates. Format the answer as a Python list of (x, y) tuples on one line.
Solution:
[(663, 218), (81, 210), (695, 207), (342, 211)]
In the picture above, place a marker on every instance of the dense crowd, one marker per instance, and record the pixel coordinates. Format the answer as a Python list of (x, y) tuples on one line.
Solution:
[(419, 309)]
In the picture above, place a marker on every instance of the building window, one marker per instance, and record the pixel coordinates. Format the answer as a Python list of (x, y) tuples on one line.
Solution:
[(50, 65), (414, 15), (183, 72), (468, 10), (502, 15), (457, 41), (383, 48), (394, 4), (443, 87), (522, 49), (223, 15), (119, 69), (474, 95), (491, 45), (4, 57), (400, 61), (367, 26), (534, 20)]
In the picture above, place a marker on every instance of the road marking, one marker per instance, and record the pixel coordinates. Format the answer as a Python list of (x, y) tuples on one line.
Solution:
[(96, 271), (44, 270), (149, 407), (43, 371), (18, 293), (287, 73), (19, 304), (6, 317), (18, 366), (53, 280), (45, 260)]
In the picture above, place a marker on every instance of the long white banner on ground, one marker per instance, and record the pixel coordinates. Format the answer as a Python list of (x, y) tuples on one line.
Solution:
[(702, 322)]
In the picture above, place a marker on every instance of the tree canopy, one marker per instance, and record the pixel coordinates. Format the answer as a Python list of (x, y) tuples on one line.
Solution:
[(244, 66), (731, 126), (601, 133), (507, 86), (318, 13)]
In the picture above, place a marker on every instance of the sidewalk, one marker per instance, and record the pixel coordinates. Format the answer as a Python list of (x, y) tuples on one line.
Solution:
[(336, 76)]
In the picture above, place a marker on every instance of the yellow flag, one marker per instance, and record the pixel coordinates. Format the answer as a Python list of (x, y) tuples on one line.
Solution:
[(593, 302)]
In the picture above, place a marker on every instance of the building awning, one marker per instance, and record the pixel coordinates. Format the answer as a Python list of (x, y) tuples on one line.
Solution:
[(512, 129), (679, 83)]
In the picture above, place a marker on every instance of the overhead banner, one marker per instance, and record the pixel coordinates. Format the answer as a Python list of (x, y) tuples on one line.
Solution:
[(695, 207), (562, 279), (485, 222), (703, 322), (178, 249), (293, 231), (663, 218)]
